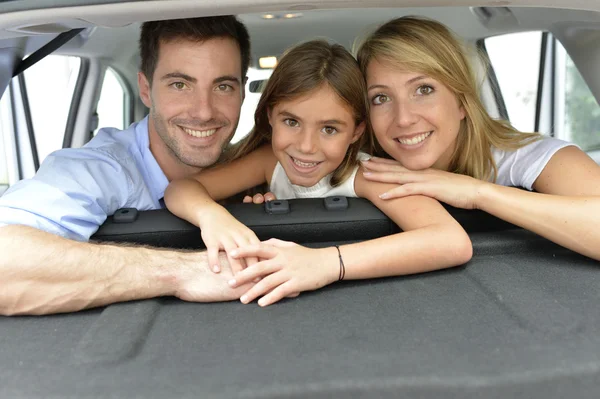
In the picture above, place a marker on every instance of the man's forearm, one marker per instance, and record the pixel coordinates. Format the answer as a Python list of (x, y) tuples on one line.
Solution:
[(43, 273)]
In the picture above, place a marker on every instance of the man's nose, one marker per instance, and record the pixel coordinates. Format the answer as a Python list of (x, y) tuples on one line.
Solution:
[(406, 114), (203, 107), (308, 142)]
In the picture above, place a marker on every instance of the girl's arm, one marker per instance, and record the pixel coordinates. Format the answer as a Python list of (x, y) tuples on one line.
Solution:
[(193, 199), (431, 240), (565, 209)]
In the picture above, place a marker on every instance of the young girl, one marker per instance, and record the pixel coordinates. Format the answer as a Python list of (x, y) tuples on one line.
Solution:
[(307, 143), (426, 114)]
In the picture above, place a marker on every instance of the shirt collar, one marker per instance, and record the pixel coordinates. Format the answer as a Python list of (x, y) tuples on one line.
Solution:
[(156, 177)]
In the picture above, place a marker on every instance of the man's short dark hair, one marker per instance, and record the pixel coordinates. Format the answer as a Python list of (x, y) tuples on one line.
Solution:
[(195, 29)]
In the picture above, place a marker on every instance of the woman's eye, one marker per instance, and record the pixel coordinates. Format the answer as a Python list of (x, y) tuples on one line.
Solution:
[(178, 85), (291, 122), (329, 130), (424, 90), (380, 99)]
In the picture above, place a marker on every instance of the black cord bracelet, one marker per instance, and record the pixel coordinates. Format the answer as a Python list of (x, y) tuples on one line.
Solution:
[(342, 267)]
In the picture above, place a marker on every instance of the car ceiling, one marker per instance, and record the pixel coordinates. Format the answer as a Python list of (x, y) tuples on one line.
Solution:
[(113, 27)]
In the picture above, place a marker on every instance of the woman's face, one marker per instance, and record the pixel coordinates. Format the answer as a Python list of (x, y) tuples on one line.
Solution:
[(415, 118)]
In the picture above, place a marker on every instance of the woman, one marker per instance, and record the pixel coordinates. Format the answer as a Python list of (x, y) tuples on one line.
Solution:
[(427, 115)]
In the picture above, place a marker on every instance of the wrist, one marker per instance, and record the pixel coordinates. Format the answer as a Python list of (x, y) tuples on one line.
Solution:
[(332, 266), (177, 270), (483, 194), (208, 211)]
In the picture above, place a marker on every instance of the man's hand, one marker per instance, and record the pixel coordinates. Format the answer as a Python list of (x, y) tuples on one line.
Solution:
[(259, 198), (199, 284)]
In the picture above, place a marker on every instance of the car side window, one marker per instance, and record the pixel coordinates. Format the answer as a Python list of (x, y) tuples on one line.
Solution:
[(518, 81), (542, 88), (582, 113), (250, 102), (113, 105), (5, 132), (50, 84)]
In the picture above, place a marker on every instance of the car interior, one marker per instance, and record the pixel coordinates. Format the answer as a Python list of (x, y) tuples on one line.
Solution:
[(518, 320)]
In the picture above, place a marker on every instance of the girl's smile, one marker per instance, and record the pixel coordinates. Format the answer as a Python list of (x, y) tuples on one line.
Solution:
[(311, 135)]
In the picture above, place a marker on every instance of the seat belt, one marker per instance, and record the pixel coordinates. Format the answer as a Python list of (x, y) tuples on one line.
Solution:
[(46, 50)]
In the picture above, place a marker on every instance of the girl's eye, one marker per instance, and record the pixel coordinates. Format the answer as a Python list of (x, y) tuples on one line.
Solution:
[(424, 90), (329, 130), (291, 122), (178, 85), (380, 99)]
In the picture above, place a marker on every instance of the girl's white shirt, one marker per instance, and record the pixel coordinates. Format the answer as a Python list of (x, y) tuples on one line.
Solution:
[(284, 189)]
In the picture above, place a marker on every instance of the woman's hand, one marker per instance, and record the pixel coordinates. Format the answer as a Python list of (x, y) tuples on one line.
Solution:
[(221, 231), (454, 189), (285, 270)]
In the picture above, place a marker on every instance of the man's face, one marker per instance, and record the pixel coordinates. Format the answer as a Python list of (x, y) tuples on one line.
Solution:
[(195, 101)]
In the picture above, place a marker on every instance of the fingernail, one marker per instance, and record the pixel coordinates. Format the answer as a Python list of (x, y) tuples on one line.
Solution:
[(216, 268), (232, 282), (261, 302), (244, 298), (384, 196), (234, 252), (367, 173)]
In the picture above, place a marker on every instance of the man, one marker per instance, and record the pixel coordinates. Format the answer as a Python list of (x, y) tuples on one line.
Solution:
[(192, 80)]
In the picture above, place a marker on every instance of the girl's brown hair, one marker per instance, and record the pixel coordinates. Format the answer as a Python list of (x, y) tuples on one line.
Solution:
[(428, 47), (302, 69)]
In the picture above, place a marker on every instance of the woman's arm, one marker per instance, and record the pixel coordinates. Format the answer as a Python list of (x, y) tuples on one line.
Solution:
[(193, 199), (431, 240), (565, 209)]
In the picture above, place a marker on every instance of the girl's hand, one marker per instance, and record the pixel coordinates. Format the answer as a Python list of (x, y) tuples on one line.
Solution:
[(259, 198), (454, 189), (285, 270), (221, 231)]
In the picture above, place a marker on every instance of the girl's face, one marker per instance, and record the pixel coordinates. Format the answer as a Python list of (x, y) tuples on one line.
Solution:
[(311, 135), (415, 118)]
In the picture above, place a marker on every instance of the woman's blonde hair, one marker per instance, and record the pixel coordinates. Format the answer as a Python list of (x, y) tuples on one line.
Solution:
[(302, 69), (426, 46)]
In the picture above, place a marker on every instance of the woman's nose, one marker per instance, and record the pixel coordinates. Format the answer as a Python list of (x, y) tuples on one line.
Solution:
[(406, 114)]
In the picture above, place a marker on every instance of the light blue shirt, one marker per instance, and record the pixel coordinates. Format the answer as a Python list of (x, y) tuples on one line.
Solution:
[(76, 189)]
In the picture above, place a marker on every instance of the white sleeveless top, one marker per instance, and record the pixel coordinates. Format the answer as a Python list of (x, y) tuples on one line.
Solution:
[(284, 189), (522, 167)]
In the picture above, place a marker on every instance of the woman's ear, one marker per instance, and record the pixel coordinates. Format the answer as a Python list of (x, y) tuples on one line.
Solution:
[(359, 130), (269, 112)]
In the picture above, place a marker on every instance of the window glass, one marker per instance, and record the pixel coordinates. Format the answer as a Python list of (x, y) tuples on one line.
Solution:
[(250, 102), (516, 61), (112, 103), (6, 130), (582, 112), (50, 85)]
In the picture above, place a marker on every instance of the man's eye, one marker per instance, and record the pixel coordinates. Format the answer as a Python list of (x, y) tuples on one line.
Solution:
[(380, 99), (224, 87), (425, 90), (329, 130), (178, 85), (291, 122)]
